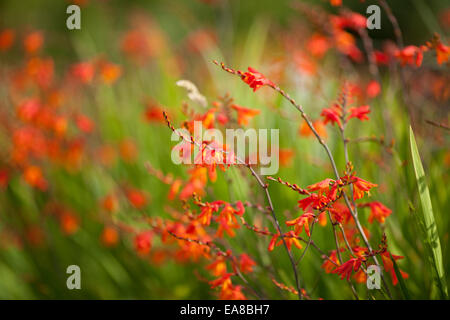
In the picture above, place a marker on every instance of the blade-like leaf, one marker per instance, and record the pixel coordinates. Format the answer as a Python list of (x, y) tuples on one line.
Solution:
[(426, 220), (401, 281)]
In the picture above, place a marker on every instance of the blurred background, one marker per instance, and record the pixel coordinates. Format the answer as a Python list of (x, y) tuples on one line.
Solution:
[(80, 114)]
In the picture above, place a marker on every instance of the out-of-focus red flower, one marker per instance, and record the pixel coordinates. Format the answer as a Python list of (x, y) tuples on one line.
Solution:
[(319, 126), (410, 55), (128, 150), (286, 156), (33, 42), (69, 223), (143, 242), (109, 236), (84, 123), (442, 53), (83, 72), (218, 267), (34, 177), (336, 3), (136, 198), (373, 89), (359, 112), (4, 177), (6, 39), (109, 72), (244, 114), (318, 45), (201, 40), (110, 203), (389, 266), (381, 58), (246, 263), (377, 211), (153, 113), (350, 20)]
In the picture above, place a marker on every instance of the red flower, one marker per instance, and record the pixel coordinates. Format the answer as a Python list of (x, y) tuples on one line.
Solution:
[(359, 112), (290, 238), (143, 242), (410, 55), (244, 114), (136, 198), (389, 266), (348, 267), (332, 115), (246, 263), (255, 79), (377, 211), (329, 266), (373, 89)]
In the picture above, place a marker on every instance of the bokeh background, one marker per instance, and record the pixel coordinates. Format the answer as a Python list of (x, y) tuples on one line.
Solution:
[(65, 191)]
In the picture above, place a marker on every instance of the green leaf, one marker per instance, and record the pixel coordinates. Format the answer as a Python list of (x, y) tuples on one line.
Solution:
[(426, 220), (401, 281)]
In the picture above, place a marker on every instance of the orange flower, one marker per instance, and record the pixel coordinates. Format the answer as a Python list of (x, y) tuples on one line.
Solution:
[(33, 175), (218, 267), (377, 211), (109, 203), (109, 236), (361, 186), (6, 39), (442, 53), (286, 156), (318, 45), (244, 114), (110, 72), (4, 178), (290, 238), (128, 150), (300, 222), (318, 125), (329, 266), (33, 42)]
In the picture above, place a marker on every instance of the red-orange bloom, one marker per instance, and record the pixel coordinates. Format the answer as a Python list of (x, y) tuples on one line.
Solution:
[(244, 114), (361, 186), (136, 198), (109, 236), (143, 242), (332, 115), (6, 39), (389, 266), (377, 211), (246, 263), (359, 112), (410, 55), (329, 266), (255, 79), (300, 222), (346, 269), (33, 42)]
